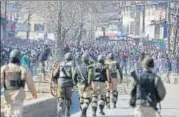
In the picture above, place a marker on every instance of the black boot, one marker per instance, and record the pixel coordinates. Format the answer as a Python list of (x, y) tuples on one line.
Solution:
[(108, 105), (67, 113), (114, 104), (94, 109), (80, 108), (101, 110), (83, 112)]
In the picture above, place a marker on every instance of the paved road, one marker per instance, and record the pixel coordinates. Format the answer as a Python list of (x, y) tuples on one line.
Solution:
[(170, 106)]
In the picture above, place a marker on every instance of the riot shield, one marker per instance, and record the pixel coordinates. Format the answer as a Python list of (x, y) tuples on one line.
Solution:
[(53, 82)]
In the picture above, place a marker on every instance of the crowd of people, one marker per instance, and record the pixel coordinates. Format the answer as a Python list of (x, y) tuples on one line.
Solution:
[(94, 67), (125, 53), (31, 50)]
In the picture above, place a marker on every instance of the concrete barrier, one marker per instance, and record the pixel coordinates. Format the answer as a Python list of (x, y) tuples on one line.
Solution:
[(45, 107)]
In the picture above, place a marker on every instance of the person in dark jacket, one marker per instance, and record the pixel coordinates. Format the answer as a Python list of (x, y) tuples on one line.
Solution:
[(149, 84)]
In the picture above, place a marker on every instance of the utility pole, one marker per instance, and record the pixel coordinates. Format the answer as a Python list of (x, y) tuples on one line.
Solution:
[(169, 26), (143, 23), (81, 25), (28, 31), (6, 32), (176, 34), (1, 40), (59, 30)]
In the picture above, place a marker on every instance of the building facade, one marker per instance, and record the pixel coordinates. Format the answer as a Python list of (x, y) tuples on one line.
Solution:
[(145, 18)]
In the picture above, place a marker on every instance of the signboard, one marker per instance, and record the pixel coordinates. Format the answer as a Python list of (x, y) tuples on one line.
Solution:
[(23, 27), (13, 7)]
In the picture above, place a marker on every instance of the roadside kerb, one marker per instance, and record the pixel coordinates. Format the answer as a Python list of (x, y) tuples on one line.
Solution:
[(44, 107)]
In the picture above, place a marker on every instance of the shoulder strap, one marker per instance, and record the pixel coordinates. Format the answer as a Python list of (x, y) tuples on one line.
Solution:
[(4, 73), (81, 72), (63, 70), (21, 73)]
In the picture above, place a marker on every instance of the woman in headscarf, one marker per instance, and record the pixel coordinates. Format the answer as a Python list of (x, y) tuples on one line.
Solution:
[(25, 61)]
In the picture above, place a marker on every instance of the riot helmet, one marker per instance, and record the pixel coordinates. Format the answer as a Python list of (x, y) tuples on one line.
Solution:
[(148, 62), (85, 57), (110, 56), (15, 56), (68, 56), (100, 59)]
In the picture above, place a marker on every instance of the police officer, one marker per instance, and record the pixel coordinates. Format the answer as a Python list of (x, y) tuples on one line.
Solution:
[(150, 85), (64, 75), (13, 79), (84, 79), (101, 75), (116, 75)]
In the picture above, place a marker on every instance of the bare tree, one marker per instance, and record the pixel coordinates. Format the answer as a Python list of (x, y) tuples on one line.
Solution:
[(68, 19)]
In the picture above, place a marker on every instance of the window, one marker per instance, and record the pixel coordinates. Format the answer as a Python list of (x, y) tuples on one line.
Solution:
[(38, 27)]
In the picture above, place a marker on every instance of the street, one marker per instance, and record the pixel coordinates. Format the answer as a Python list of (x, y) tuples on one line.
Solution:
[(66, 47), (170, 106)]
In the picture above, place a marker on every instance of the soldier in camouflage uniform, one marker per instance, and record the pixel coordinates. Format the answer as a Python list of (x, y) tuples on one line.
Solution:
[(153, 87), (84, 79), (64, 75), (116, 76), (101, 76), (13, 79)]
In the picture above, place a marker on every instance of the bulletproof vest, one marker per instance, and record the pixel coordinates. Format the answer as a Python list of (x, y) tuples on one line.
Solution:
[(147, 84), (66, 70), (13, 80), (113, 69), (82, 73), (100, 73)]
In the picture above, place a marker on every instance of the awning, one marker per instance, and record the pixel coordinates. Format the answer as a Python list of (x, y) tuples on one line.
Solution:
[(111, 34), (7, 16)]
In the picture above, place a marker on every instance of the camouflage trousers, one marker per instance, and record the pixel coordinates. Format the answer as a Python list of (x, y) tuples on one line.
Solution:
[(141, 111), (112, 93), (99, 92), (14, 110), (85, 95), (64, 101)]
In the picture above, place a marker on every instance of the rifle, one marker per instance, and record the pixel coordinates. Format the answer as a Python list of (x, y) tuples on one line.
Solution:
[(133, 74)]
